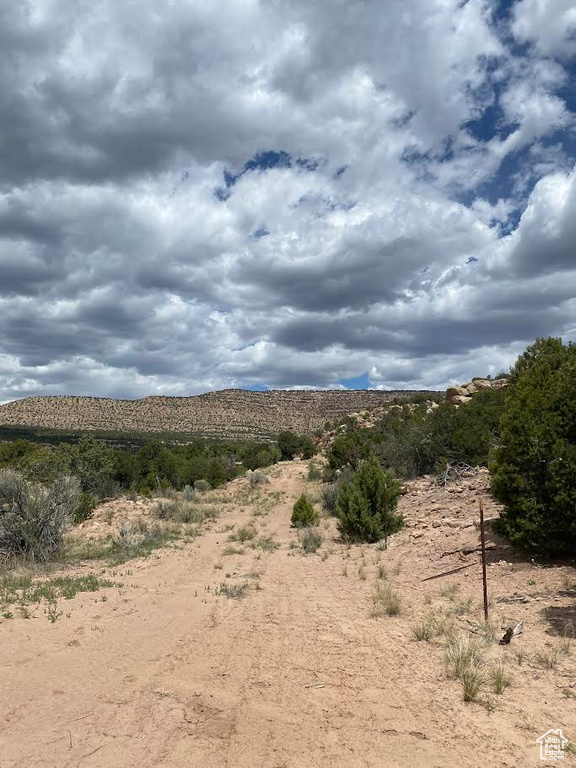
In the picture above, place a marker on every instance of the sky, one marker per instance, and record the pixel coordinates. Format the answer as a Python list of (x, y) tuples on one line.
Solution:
[(204, 194)]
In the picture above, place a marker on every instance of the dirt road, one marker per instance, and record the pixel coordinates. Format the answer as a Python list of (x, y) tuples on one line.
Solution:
[(166, 672)]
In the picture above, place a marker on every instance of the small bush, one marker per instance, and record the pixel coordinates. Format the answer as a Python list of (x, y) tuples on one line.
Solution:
[(265, 543), (189, 493), (130, 537), (329, 497), (304, 514), (366, 504), (87, 503), (310, 540), (257, 478), (314, 472), (33, 519), (202, 486)]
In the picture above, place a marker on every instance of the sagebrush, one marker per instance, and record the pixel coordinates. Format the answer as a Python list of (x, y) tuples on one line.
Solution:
[(34, 518)]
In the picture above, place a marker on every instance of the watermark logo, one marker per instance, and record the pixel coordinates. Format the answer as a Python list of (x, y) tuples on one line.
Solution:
[(552, 745)]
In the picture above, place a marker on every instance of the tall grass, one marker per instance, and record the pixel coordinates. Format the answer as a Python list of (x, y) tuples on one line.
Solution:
[(466, 660)]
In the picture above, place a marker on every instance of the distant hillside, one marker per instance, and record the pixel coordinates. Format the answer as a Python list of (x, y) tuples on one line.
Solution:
[(231, 413)]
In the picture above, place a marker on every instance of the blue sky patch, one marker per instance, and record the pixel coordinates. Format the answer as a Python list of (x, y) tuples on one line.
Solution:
[(357, 382)]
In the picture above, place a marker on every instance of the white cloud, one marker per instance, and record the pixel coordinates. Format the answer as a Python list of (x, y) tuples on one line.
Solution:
[(122, 272), (549, 24)]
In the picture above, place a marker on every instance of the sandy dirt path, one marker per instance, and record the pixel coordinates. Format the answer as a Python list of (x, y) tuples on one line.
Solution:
[(166, 672)]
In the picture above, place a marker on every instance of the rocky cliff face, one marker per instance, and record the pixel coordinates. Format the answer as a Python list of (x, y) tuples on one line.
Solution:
[(230, 414)]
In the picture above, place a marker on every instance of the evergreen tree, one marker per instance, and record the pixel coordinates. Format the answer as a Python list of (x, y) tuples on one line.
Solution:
[(303, 513), (367, 502), (534, 469)]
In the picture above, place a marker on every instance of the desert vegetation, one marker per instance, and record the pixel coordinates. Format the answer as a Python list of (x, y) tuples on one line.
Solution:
[(534, 466), (155, 468), (303, 513), (414, 441)]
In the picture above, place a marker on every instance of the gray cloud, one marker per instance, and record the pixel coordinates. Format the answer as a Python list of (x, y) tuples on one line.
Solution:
[(123, 273)]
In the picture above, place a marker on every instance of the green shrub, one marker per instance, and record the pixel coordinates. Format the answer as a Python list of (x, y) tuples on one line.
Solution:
[(534, 468), (348, 450), (303, 513), (202, 485), (257, 455), (148, 468), (291, 445), (34, 518), (86, 505), (367, 502), (314, 472)]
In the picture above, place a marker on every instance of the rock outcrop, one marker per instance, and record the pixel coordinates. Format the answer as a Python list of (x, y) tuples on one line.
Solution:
[(464, 393)]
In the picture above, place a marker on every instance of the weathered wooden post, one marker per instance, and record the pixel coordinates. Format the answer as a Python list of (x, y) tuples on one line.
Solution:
[(483, 546)]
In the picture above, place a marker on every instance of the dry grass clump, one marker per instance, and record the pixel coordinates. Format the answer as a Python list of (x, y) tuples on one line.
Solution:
[(461, 607), (547, 658), (488, 630), (466, 660), (310, 540), (265, 543), (434, 625), (464, 651), (233, 591), (472, 681), (243, 534), (179, 510), (385, 601), (565, 642), (232, 550), (499, 678)]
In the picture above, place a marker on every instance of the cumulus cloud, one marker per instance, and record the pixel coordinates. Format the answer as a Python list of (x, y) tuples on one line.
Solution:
[(283, 194)]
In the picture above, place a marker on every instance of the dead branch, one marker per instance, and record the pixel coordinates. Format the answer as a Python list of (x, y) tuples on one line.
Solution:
[(447, 573), (467, 550), (455, 472)]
